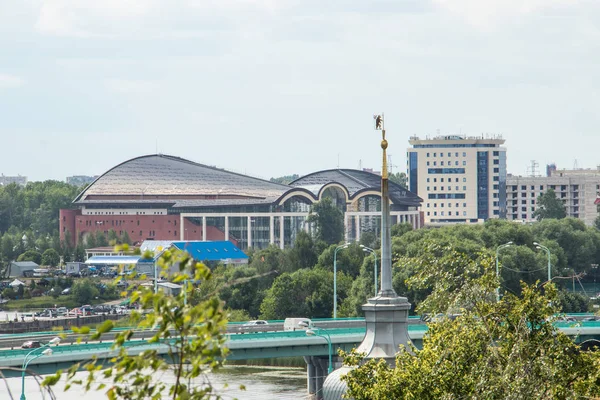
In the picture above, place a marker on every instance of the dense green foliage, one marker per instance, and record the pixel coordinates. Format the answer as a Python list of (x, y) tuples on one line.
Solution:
[(29, 220), (273, 277), (329, 221), (286, 180), (193, 335), (399, 178), (493, 350), (84, 291), (549, 206)]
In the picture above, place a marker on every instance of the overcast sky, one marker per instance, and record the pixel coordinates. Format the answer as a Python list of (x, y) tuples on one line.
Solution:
[(276, 87)]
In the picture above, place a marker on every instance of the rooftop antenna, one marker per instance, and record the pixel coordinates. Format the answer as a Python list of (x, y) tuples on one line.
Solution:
[(360, 165), (157, 146), (533, 169), (576, 164), (338, 164)]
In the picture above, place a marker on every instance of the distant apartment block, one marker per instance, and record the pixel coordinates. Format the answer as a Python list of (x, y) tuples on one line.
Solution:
[(7, 180), (461, 179), (80, 180), (579, 190)]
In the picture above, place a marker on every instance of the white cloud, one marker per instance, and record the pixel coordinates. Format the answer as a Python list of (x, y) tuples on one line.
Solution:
[(115, 18), (129, 86), (487, 13), (10, 81)]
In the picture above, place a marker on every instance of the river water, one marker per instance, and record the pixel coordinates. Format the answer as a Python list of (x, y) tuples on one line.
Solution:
[(260, 383)]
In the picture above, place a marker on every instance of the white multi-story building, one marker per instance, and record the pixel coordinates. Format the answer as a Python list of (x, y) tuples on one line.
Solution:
[(578, 189), (460, 179), (7, 180)]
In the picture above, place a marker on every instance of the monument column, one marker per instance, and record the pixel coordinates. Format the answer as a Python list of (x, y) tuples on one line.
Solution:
[(386, 315)]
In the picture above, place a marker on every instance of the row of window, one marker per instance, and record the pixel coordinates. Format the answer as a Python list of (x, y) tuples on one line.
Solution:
[(457, 213), (553, 187), (447, 179), (449, 205), (117, 222), (444, 196), (445, 187), (449, 163), (464, 154)]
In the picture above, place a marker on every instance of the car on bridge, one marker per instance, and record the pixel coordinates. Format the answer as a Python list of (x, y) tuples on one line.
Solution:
[(31, 344), (251, 325)]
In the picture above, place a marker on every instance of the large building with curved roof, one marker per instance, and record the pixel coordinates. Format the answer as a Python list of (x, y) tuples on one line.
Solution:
[(161, 197)]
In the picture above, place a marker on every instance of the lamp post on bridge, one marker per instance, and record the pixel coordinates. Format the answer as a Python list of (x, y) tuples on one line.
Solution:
[(370, 250), (344, 246), (314, 331), (502, 246), (46, 351), (547, 250)]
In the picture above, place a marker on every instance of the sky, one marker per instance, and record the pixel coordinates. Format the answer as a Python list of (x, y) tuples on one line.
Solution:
[(278, 87)]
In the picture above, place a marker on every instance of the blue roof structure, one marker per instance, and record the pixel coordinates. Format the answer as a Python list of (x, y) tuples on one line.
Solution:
[(213, 251)]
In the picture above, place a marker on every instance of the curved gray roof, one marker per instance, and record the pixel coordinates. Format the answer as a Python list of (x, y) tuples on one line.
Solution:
[(356, 182), (158, 176)]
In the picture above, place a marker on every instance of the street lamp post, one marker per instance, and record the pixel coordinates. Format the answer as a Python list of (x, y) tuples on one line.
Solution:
[(46, 352), (547, 250), (502, 246), (317, 332), (370, 250), (344, 246)]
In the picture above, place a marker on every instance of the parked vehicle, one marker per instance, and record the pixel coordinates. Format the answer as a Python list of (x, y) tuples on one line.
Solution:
[(297, 324), (75, 312), (31, 344), (250, 325)]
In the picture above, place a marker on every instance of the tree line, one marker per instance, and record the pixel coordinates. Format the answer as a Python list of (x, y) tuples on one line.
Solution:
[(298, 282)]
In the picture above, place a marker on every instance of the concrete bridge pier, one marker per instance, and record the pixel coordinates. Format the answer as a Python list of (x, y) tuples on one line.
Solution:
[(316, 372)]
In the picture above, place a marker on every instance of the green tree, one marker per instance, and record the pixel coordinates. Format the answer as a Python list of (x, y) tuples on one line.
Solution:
[(328, 220), (101, 240), (125, 238), (349, 260), (549, 206), (84, 291), (90, 241), (34, 206), (50, 257), (570, 302), (304, 293), (302, 255), (31, 255), (79, 254), (113, 238), (7, 248), (369, 239), (399, 178), (494, 350), (286, 180), (192, 333), (400, 229)]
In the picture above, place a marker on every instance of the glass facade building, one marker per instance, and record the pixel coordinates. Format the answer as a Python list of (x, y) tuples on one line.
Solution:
[(461, 178), (161, 197)]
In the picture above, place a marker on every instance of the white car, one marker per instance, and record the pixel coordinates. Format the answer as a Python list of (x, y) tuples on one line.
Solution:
[(250, 325)]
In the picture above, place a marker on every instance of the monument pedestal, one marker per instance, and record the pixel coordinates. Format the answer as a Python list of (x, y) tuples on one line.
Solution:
[(386, 317)]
